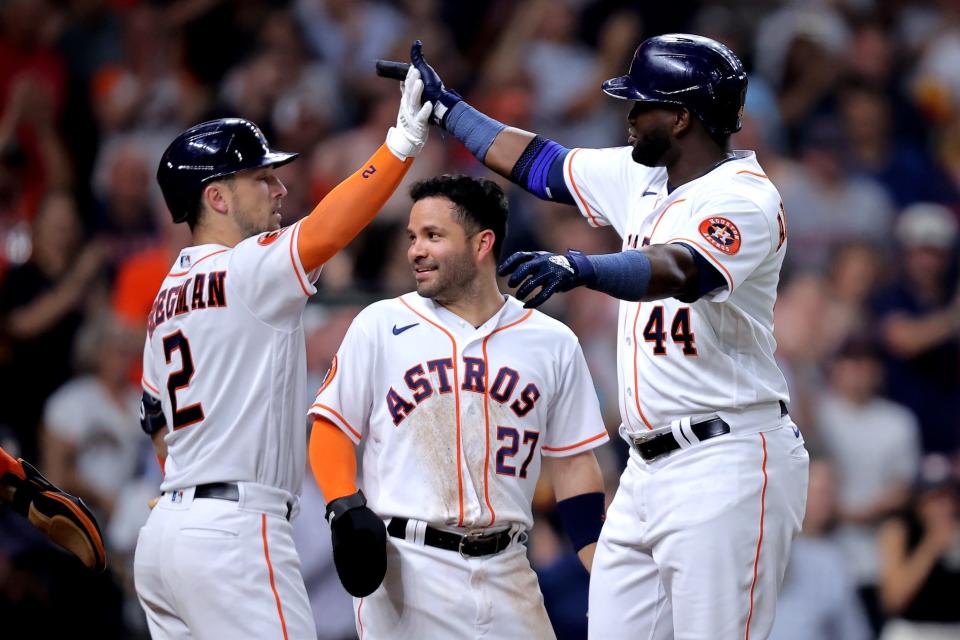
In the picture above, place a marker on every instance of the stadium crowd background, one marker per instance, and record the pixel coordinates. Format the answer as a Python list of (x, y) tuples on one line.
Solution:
[(853, 108)]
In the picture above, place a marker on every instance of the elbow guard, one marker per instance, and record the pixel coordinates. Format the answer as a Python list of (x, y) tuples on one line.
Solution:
[(539, 170), (152, 419)]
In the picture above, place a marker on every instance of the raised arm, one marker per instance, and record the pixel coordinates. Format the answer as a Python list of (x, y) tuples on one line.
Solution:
[(530, 161), (350, 207), (536, 164)]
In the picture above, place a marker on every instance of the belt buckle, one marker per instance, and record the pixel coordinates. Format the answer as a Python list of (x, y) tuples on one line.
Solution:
[(470, 536), (644, 438)]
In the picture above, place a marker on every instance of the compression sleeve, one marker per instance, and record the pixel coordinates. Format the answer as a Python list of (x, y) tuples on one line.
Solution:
[(333, 460), (350, 207)]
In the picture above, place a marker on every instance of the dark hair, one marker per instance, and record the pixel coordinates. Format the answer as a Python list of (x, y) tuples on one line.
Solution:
[(480, 203)]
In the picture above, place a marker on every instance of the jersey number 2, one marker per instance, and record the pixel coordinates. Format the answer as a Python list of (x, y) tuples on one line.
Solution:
[(180, 379), (679, 331)]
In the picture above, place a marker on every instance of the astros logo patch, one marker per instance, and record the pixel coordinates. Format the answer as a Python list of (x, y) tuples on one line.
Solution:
[(269, 238), (722, 234)]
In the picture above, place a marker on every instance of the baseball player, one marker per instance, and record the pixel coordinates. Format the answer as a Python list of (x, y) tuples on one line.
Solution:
[(64, 518), (458, 395), (697, 539), (224, 376)]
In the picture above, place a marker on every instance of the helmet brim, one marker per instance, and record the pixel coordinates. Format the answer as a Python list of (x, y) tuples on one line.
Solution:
[(278, 158), (622, 88), (270, 159)]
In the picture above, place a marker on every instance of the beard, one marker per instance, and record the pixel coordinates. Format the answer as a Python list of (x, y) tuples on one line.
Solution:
[(252, 224), (453, 278), (651, 148)]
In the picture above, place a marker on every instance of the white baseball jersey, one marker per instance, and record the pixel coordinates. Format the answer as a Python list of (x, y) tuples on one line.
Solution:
[(226, 355), (454, 418), (680, 359)]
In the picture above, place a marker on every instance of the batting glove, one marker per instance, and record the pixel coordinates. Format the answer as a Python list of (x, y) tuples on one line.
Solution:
[(443, 99), (359, 544), (406, 140), (552, 272)]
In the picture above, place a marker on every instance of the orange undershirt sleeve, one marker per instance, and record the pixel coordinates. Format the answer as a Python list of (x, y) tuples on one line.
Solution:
[(350, 207), (333, 459)]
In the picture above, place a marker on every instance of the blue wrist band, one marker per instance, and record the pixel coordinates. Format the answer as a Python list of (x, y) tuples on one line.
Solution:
[(624, 275), (582, 518), (475, 130)]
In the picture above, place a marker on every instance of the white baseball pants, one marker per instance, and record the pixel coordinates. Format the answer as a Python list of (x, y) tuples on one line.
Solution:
[(211, 568), (431, 593), (696, 542)]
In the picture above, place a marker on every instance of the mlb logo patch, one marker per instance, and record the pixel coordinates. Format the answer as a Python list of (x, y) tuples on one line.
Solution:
[(176, 497), (185, 262)]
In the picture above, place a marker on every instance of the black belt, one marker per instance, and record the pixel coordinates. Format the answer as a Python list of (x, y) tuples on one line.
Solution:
[(472, 545), (219, 490), (665, 443), (224, 491)]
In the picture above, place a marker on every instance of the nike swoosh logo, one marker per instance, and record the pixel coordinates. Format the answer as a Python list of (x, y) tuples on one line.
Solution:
[(397, 331), (648, 193)]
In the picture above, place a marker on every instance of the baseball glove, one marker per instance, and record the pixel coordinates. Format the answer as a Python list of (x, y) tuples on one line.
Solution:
[(64, 518)]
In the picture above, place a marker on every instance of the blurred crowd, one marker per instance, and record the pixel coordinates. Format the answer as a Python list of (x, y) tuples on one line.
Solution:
[(853, 107)]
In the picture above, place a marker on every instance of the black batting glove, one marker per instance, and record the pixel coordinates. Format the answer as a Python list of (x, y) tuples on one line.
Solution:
[(443, 99), (359, 544), (551, 272)]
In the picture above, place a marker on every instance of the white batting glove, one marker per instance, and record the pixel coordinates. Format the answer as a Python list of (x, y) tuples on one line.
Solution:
[(406, 139)]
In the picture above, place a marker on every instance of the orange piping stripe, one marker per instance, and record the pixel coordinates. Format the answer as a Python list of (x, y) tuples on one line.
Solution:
[(90, 526), (636, 389), (486, 412), (707, 254), (317, 405), (333, 374), (183, 273), (753, 173), (273, 585), (294, 262), (578, 444), (756, 559), (456, 399), (359, 619), (576, 190), (657, 223), (144, 382)]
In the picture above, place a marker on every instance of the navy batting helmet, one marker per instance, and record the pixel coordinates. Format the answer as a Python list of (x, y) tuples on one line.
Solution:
[(208, 151), (690, 71)]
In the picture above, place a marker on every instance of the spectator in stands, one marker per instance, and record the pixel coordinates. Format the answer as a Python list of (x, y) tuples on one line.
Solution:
[(42, 304), (875, 445), (825, 204), (818, 600), (91, 443), (899, 164), (920, 560), (919, 322), (126, 222), (147, 88)]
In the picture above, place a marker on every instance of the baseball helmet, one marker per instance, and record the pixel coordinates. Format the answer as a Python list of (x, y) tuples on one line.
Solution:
[(690, 71), (208, 151)]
